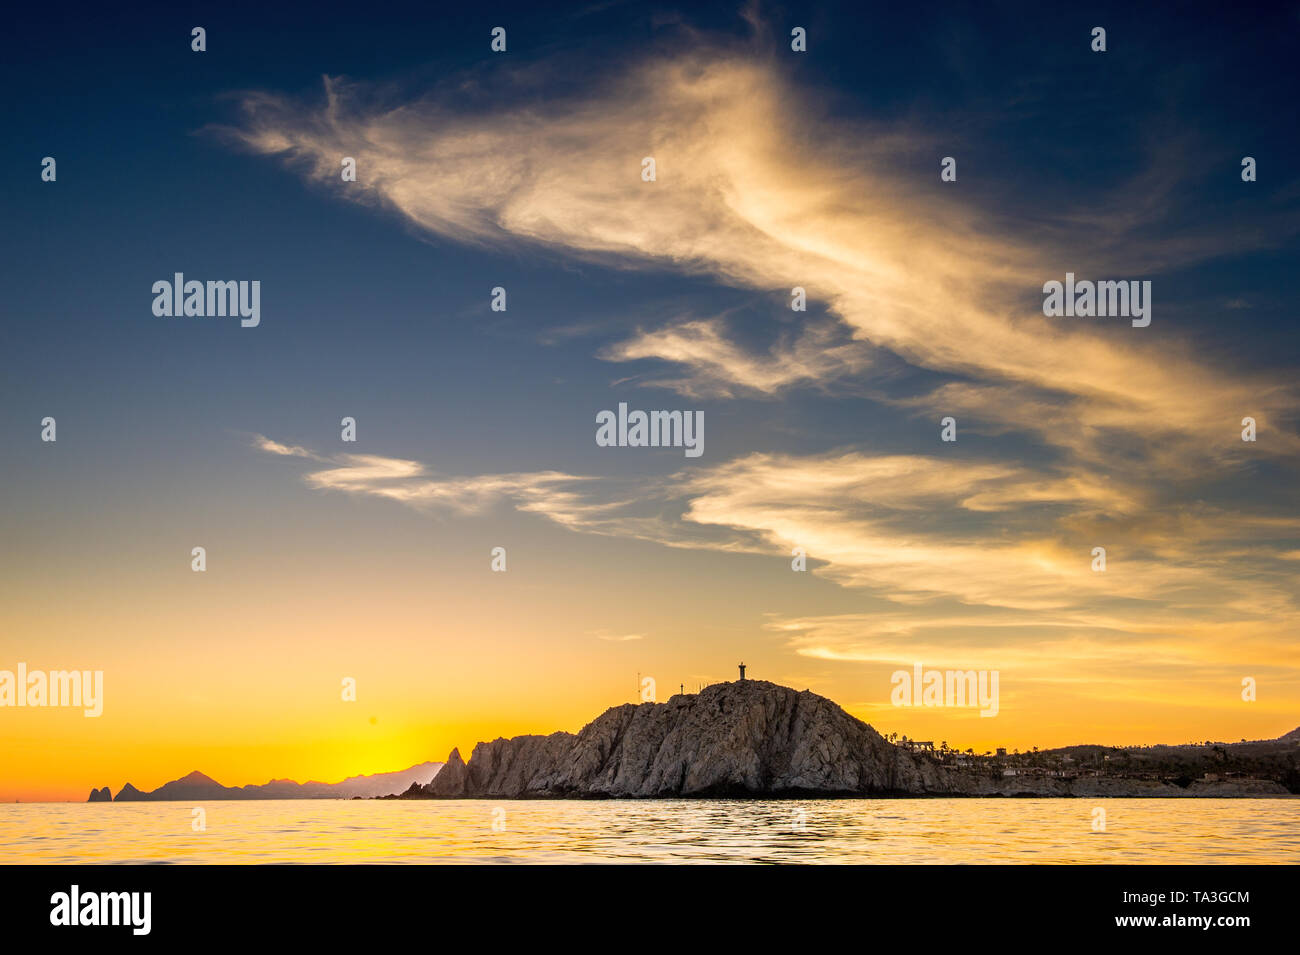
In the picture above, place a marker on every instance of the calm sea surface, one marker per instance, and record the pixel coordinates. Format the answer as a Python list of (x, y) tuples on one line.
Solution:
[(1200, 831)]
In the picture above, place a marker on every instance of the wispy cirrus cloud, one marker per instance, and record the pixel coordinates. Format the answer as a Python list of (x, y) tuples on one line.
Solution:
[(758, 191), (264, 443), (719, 367), (611, 637), (412, 483), (1124, 430), (997, 547)]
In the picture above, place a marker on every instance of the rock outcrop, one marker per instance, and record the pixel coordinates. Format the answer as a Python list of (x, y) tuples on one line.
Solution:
[(747, 738), (100, 795), (1128, 787), (752, 738)]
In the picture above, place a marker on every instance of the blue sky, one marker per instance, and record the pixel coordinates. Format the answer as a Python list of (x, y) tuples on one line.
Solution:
[(777, 169)]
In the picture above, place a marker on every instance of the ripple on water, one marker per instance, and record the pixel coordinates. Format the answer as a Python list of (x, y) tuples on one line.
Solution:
[(1214, 831)]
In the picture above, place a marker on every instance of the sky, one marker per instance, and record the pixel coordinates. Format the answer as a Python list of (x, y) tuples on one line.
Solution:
[(371, 560)]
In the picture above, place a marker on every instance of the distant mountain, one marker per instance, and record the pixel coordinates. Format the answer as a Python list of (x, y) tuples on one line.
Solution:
[(100, 795), (1292, 737), (196, 787)]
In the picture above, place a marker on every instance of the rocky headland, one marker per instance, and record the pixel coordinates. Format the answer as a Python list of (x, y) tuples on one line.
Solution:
[(751, 738)]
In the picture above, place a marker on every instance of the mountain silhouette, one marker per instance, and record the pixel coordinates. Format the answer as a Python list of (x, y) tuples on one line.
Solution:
[(198, 787)]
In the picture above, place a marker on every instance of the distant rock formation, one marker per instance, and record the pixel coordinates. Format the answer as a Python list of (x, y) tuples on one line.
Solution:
[(414, 791), (197, 787), (100, 795), (749, 738), (189, 788), (129, 793)]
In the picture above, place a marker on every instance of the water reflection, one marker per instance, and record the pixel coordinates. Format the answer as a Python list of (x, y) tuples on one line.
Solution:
[(1213, 831)]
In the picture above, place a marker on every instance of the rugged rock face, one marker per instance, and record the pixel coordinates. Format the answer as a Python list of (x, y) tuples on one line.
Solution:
[(751, 738), (1242, 787), (744, 738), (100, 795), (129, 793), (1129, 788)]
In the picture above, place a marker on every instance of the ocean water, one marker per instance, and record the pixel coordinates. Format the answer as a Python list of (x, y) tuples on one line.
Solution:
[(1193, 831)]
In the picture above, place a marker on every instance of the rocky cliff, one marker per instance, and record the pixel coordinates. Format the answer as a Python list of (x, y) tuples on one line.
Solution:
[(746, 738), (751, 738)]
